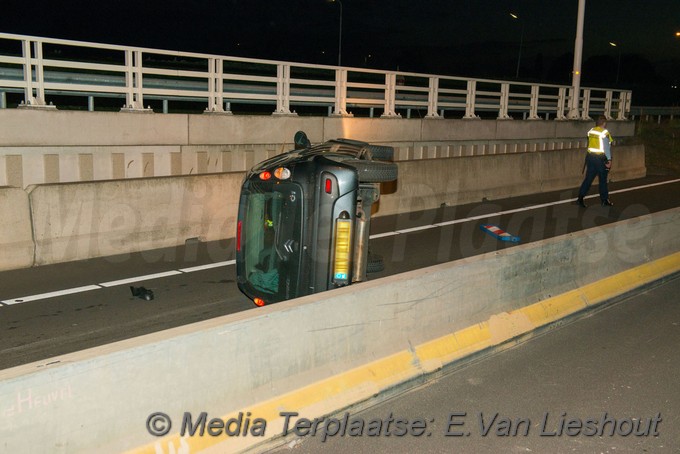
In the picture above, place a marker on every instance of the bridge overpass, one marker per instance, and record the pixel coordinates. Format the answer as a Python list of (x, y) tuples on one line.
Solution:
[(315, 355)]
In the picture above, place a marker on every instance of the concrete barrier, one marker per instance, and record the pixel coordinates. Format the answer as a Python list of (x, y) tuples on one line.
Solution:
[(73, 221), (16, 236), (85, 220), (428, 184), (322, 353)]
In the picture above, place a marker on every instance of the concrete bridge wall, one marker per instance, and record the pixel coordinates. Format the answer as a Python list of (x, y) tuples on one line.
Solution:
[(40, 147)]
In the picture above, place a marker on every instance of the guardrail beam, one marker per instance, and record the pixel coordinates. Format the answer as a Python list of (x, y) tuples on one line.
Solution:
[(192, 77)]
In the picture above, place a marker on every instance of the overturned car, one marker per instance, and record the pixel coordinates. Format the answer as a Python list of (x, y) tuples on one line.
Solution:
[(304, 217)]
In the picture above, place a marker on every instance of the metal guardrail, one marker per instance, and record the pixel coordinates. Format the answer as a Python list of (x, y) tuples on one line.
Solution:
[(655, 113), (40, 67)]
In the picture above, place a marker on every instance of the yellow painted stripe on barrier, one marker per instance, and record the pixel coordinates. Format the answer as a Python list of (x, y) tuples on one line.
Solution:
[(473, 335), (434, 354), (554, 308), (360, 383), (438, 348)]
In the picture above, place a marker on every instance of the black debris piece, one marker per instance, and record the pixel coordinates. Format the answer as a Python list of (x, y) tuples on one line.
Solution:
[(142, 292)]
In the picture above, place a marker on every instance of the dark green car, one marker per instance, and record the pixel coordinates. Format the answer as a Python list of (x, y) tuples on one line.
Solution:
[(304, 217)]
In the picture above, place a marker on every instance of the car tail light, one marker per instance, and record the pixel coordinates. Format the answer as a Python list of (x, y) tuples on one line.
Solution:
[(259, 302), (266, 175), (329, 186), (238, 235), (282, 173), (343, 241)]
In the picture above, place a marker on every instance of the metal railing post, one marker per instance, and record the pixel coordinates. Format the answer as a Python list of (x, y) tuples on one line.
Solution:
[(624, 105), (283, 90), (39, 74), (533, 103), (561, 103), (28, 72), (504, 102), (470, 100), (585, 113), (31, 99), (608, 104), (341, 93), (134, 98), (215, 86), (390, 96), (432, 98)]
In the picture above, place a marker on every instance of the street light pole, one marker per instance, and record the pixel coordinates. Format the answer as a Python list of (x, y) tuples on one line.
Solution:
[(339, 2), (618, 66), (576, 74), (521, 43)]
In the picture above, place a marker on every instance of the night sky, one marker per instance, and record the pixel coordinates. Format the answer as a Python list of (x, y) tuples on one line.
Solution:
[(472, 38)]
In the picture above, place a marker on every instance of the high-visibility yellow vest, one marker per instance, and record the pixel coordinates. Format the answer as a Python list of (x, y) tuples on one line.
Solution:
[(599, 141)]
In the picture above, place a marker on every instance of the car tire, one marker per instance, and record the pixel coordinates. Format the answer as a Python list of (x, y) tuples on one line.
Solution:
[(375, 264), (381, 152), (374, 171)]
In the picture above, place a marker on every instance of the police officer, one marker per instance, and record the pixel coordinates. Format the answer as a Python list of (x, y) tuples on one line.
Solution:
[(598, 162)]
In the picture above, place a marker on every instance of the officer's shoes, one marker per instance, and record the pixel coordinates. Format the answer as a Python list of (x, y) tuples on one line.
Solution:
[(607, 203), (581, 203)]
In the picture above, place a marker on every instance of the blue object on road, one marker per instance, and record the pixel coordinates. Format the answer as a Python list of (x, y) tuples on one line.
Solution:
[(497, 232)]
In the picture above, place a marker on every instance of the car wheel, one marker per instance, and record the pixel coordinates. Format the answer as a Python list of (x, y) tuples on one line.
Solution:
[(374, 171), (381, 152)]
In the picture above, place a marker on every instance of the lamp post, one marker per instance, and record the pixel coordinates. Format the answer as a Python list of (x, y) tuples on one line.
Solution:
[(339, 33), (618, 66), (576, 73), (521, 43)]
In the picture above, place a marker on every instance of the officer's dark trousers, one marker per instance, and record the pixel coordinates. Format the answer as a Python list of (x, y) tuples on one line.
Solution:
[(595, 167)]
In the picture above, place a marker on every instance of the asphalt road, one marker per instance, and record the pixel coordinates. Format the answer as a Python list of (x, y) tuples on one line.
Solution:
[(618, 366), (38, 324)]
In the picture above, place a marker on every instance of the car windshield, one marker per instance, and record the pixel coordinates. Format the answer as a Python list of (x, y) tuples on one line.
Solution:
[(272, 231)]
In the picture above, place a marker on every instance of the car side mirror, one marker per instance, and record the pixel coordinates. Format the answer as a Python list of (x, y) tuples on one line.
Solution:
[(301, 141)]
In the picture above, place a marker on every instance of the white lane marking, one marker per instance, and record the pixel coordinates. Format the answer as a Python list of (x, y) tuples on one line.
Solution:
[(208, 266), (131, 280), (87, 288), (650, 185), (380, 235), (71, 291), (516, 210), (415, 229), (43, 296)]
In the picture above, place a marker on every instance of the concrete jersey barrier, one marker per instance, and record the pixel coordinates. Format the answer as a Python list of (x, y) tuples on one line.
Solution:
[(321, 353), (85, 220), (74, 221), (16, 235), (429, 184)]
